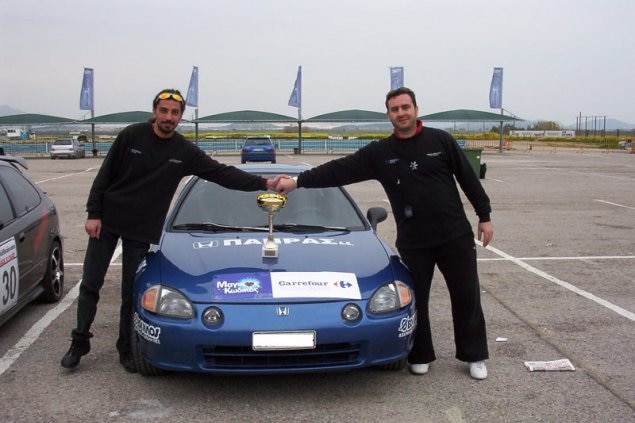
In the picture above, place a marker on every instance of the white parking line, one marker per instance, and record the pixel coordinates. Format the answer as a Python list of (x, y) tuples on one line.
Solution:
[(34, 333), (583, 258), (617, 309), (614, 204), (625, 178), (65, 176)]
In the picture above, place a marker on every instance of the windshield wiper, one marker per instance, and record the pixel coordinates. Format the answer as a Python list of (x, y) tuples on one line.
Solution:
[(302, 227), (217, 227)]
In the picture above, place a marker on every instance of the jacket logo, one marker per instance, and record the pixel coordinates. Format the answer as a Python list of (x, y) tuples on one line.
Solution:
[(413, 165)]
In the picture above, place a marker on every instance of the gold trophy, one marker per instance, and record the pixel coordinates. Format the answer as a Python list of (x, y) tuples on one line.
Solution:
[(271, 203)]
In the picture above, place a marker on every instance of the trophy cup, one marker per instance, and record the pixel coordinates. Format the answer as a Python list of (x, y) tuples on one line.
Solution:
[(271, 203)]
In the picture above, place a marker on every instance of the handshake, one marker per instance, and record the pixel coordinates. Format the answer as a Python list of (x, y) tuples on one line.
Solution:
[(282, 184)]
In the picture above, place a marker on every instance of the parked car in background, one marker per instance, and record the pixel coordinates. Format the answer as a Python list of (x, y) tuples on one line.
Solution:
[(68, 148), (625, 144), (210, 299), (258, 149), (31, 258)]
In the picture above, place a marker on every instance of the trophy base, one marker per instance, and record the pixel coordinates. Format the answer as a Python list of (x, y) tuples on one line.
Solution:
[(270, 249)]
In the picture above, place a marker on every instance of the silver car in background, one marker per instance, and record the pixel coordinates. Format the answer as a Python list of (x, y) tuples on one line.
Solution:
[(67, 148)]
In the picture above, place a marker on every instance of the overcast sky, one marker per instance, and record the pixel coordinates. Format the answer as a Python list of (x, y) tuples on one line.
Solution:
[(560, 57)]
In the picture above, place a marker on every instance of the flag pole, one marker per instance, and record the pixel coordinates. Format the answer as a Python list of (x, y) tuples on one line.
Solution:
[(295, 100), (496, 101), (500, 135), (500, 139), (196, 125), (300, 130), (87, 100)]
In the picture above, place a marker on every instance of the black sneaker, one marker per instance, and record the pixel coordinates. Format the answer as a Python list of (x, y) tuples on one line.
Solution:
[(76, 351), (127, 362)]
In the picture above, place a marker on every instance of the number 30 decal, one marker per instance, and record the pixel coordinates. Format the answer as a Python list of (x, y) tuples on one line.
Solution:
[(9, 275)]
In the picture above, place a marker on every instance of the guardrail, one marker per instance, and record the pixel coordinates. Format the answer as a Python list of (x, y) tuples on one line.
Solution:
[(326, 146), (316, 146)]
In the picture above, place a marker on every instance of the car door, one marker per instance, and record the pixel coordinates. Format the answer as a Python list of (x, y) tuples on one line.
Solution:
[(21, 237), (9, 269)]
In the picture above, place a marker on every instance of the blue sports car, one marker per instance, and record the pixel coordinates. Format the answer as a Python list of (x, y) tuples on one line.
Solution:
[(215, 297)]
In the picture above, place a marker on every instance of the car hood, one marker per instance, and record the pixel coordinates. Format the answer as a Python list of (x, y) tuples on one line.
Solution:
[(199, 264)]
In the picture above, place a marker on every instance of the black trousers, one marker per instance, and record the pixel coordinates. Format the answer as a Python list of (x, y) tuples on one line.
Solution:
[(96, 262), (457, 262)]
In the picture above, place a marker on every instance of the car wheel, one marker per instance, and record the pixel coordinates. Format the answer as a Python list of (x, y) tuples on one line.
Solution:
[(143, 367), (394, 366), (53, 281)]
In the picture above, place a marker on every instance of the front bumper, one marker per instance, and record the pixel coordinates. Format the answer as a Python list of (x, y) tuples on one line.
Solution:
[(191, 345)]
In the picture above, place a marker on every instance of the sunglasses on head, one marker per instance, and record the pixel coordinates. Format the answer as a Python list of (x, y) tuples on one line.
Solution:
[(170, 96)]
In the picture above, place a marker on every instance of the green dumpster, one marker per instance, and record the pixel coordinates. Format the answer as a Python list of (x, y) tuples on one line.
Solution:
[(474, 157)]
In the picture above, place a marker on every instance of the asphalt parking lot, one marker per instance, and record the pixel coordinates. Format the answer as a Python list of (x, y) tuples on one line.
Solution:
[(557, 281)]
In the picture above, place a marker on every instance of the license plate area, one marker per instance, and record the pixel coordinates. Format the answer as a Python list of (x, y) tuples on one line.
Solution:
[(272, 341)]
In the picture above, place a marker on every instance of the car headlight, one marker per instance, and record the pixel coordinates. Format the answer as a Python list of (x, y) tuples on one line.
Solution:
[(167, 302), (389, 297)]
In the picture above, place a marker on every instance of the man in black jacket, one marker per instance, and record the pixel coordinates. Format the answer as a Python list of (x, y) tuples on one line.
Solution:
[(129, 199), (417, 167)]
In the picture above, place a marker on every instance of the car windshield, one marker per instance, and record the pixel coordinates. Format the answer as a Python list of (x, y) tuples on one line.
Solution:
[(210, 207), (63, 142), (257, 141)]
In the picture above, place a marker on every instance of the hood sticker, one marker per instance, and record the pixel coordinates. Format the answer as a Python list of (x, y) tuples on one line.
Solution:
[(235, 242), (285, 285), (237, 286)]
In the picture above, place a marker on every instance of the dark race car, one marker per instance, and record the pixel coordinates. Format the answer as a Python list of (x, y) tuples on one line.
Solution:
[(31, 260)]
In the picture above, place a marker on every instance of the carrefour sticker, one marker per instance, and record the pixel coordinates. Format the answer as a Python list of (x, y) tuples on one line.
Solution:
[(241, 286), (147, 331), (314, 285), (9, 275)]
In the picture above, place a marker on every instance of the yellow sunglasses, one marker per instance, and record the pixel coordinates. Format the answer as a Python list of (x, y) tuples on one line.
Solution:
[(168, 96)]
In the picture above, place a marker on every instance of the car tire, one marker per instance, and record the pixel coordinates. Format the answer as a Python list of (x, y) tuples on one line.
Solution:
[(53, 282), (143, 367), (394, 366)]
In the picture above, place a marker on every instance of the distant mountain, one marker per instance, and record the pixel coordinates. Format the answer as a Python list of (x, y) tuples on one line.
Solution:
[(8, 111), (611, 124), (363, 127), (249, 126)]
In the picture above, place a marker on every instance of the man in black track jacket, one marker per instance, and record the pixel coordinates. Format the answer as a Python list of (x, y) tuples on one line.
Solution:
[(129, 199), (417, 167)]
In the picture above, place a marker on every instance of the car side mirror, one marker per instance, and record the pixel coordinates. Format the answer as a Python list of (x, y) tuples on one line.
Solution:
[(376, 215)]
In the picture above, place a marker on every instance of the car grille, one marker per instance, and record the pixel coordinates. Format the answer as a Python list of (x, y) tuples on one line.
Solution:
[(246, 358)]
